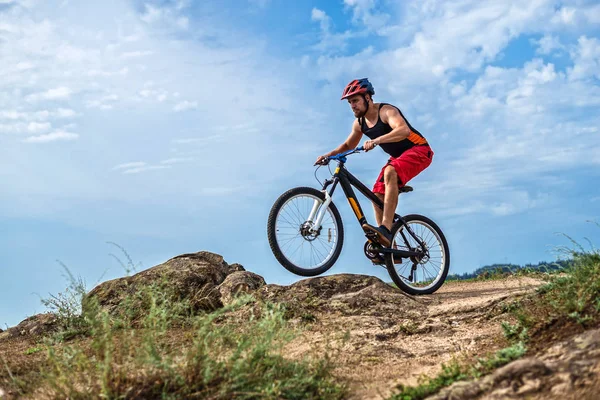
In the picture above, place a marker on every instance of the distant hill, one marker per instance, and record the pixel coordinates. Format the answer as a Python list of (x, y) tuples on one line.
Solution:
[(542, 266)]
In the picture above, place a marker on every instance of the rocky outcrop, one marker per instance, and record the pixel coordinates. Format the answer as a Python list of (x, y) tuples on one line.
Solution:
[(346, 294), (569, 369), (35, 325), (191, 277), (238, 283)]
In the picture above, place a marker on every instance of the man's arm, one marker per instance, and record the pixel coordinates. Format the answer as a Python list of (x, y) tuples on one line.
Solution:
[(400, 129), (351, 142)]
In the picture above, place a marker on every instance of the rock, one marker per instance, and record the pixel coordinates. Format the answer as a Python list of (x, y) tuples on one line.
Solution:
[(564, 368), (348, 294), (239, 282), (38, 324), (191, 277)]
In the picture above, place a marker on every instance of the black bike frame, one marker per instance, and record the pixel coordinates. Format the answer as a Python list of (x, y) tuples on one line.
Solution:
[(347, 180)]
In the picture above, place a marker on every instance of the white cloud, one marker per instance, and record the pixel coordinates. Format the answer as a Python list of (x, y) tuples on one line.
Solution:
[(51, 94), (37, 127), (129, 165), (581, 15), (65, 113), (185, 106), (586, 58), (159, 95), (61, 113), (565, 15), (176, 160), (438, 38), (363, 12), (166, 17), (12, 114), (137, 54), (592, 14), (146, 168), (23, 127), (321, 17), (52, 137), (105, 102), (548, 44), (200, 140), (330, 41), (96, 73)]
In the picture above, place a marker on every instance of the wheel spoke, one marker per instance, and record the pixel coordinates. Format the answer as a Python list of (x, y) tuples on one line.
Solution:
[(309, 251), (429, 269)]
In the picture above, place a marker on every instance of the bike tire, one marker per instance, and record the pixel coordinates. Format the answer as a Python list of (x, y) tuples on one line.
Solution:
[(276, 247), (438, 280)]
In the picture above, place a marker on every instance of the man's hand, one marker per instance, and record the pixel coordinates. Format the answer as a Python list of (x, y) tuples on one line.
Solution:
[(320, 160), (370, 145)]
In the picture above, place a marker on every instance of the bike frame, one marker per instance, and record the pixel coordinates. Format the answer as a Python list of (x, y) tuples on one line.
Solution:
[(347, 180)]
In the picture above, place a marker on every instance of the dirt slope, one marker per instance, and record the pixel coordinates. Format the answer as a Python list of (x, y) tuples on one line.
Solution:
[(396, 339)]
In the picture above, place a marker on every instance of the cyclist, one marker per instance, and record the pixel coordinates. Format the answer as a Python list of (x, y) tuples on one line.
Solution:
[(385, 126)]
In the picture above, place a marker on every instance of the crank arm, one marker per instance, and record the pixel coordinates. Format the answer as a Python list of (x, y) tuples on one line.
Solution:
[(401, 253)]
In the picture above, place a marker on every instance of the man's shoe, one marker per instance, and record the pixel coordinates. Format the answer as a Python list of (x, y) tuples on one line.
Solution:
[(384, 236), (379, 260)]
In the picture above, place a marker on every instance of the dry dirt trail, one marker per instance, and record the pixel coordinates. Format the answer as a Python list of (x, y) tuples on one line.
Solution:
[(394, 338)]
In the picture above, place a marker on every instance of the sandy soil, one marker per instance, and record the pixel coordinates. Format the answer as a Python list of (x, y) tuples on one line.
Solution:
[(396, 346)]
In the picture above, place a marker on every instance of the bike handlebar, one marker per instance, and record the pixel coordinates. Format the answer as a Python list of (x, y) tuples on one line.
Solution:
[(342, 156)]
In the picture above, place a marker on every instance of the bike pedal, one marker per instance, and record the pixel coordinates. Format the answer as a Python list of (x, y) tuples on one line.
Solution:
[(371, 236)]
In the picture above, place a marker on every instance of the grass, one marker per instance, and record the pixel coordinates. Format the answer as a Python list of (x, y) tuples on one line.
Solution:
[(156, 346), (221, 358)]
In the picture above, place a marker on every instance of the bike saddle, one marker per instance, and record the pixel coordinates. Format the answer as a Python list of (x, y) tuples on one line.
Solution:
[(405, 189)]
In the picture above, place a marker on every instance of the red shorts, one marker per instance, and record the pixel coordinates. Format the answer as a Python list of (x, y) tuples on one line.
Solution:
[(407, 166)]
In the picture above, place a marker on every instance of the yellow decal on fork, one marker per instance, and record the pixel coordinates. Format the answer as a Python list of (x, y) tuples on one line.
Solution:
[(355, 208), (337, 170)]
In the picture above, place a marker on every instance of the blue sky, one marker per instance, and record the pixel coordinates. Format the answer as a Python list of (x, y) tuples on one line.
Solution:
[(171, 127)]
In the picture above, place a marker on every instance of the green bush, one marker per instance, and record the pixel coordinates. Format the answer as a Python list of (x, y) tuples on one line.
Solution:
[(577, 293)]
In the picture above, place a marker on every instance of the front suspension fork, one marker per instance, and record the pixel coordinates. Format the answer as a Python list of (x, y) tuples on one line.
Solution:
[(318, 212)]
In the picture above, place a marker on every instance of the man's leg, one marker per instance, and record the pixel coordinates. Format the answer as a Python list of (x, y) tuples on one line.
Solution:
[(378, 211), (390, 201), (385, 219), (403, 168)]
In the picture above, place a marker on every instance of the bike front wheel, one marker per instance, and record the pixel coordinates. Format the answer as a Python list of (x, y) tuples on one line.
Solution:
[(300, 249), (424, 274)]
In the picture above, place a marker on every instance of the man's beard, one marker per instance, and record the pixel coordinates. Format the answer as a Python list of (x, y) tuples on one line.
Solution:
[(360, 114)]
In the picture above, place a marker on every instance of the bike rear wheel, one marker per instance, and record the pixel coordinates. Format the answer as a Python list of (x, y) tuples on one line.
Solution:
[(424, 274), (300, 250)]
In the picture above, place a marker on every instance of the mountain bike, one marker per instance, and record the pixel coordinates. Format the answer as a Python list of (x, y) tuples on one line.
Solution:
[(306, 234)]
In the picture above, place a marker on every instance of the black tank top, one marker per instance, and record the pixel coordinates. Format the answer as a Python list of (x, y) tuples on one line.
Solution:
[(380, 128)]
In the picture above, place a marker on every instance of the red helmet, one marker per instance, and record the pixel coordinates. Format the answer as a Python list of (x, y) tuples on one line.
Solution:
[(358, 86)]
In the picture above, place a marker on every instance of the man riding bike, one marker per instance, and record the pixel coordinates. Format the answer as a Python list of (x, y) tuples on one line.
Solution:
[(385, 126)]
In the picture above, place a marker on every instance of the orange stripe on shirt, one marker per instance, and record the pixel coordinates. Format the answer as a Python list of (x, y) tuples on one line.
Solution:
[(416, 139)]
